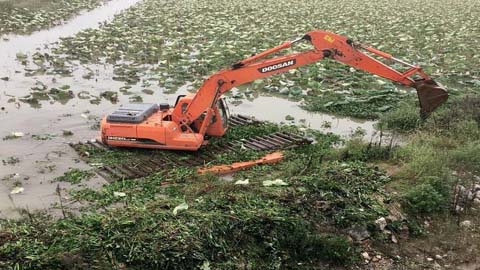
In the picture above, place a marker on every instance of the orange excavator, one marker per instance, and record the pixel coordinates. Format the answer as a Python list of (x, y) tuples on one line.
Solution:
[(185, 125)]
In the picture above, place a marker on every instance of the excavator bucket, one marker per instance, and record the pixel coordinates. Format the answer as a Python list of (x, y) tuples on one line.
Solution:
[(431, 95)]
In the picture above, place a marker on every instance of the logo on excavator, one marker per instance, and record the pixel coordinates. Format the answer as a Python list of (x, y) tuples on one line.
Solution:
[(329, 38), (117, 138), (277, 66)]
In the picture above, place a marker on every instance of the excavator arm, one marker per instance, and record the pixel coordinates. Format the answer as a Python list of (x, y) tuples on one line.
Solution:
[(325, 45), (184, 126)]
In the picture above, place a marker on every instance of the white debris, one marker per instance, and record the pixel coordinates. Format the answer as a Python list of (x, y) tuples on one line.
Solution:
[(365, 255), (205, 266), (466, 223), (96, 165), (381, 82), (84, 115), (276, 182), (242, 182), (394, 239), (119, 194), (377, 258), (470, 195), (18, 134), (381, 223), (180, 207), (17, 190)]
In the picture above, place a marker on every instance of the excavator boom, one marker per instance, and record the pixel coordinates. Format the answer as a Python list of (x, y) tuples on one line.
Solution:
[(326, 45), (184, 126)]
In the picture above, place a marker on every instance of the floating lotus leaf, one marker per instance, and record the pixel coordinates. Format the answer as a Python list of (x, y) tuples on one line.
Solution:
[(184, 41), (14, 18)]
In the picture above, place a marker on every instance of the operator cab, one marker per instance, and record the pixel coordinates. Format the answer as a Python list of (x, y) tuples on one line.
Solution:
[(219, 122)]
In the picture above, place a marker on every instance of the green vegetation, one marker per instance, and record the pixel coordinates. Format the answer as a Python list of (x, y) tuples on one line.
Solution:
[(329, 193), (441, 153), (26, 16), (427, 197), (146, 237), (357, 149), (361, 104), (332, 187), (74, 176), (405, 118), (148, 46), (225, 225)]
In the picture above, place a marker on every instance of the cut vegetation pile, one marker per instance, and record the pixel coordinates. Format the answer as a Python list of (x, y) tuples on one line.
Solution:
[(179, 220)]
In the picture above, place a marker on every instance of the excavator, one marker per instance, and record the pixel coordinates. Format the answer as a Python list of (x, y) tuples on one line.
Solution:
[(194, 116)]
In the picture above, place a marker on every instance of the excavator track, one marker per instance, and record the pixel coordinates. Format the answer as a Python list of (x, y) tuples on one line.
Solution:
[(241, 120), (145, 162)]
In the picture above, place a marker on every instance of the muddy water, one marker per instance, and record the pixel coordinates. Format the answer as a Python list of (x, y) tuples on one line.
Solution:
[(90, 19), (275, 109), (40, 161)]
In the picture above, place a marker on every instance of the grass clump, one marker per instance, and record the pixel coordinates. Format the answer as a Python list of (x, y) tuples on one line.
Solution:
[(441, 154), (357, 149), (467, 157), (326, 247), (429, 197), (75, 176), (404, 118), (425, 155)]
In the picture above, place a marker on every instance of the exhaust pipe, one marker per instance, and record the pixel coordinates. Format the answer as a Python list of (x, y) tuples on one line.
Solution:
[(430, 94)]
